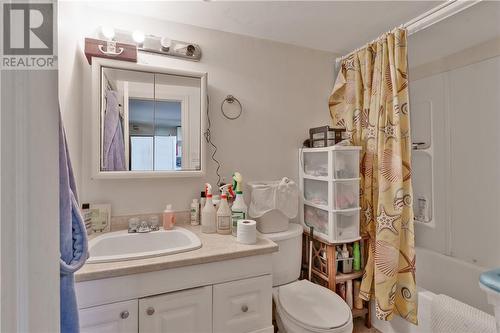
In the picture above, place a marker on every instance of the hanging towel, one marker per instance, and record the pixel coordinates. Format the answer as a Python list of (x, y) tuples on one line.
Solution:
[(113, 142), (73, 238), (451, 316)]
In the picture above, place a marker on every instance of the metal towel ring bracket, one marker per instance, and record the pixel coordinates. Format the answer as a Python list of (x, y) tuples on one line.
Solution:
[(231, 99)]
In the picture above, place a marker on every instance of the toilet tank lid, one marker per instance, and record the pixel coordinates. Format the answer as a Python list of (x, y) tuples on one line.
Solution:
[(293, 231)]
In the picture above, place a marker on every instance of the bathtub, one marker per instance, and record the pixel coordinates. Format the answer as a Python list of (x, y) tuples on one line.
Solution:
[(399, 325), (439, 274)]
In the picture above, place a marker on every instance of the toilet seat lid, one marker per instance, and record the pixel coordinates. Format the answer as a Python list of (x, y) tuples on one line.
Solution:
[(313, 306)]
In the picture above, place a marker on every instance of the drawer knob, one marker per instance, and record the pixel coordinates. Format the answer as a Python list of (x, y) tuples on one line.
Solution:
[(244, 308), (150, 311), (124, 314)]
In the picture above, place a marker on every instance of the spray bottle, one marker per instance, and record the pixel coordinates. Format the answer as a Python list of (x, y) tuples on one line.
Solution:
[(239, 209), (208, 213), (224, 213)]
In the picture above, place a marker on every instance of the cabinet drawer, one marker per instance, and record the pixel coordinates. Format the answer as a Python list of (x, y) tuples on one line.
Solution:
[(243, 305), (186, 311), (110, 318)]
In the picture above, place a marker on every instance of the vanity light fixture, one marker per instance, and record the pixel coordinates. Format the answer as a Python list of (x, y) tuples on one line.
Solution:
[(108, 32), (147, 43), (138, 37)]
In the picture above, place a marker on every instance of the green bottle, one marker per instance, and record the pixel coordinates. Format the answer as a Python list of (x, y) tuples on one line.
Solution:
[(357, 257)]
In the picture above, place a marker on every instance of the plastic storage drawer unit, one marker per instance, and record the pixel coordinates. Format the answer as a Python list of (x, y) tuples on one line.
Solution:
[(329, 180)]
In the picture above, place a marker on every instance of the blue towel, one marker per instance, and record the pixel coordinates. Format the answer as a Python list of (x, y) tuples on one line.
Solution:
[(113, 141), (73, 238)]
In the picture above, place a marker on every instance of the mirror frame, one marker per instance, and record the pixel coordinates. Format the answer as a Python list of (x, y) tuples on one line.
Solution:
[(97, 173)]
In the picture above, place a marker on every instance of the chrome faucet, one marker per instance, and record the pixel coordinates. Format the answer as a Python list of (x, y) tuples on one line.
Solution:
[(142, 227)]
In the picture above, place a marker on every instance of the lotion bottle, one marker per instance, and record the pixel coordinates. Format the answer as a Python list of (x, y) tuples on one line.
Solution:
[(168, 218), (356, 253), (208, 214), (195, 212)]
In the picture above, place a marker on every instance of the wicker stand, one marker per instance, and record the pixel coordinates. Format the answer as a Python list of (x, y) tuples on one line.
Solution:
[(324, 270)]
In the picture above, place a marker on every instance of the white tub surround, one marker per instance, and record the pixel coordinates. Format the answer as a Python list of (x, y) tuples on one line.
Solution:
[(223, 286)]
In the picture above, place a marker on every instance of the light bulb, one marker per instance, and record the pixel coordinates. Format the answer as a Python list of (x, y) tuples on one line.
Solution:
[(108, 32), (138, 36)]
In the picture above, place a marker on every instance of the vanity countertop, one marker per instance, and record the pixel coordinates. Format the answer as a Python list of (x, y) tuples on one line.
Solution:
[(214, 248)]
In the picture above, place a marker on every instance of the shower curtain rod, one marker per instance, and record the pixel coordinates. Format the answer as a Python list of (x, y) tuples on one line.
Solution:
[(427, 19)]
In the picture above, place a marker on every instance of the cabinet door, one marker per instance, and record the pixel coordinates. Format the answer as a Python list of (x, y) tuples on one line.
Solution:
[(118, 317), (243, 305), (187, 311)]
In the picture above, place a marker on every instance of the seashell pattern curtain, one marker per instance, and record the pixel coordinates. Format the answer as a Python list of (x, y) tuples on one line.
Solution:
[(370, 100)]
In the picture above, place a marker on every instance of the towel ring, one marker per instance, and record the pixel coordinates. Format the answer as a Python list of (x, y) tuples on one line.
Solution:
[(231, 99)]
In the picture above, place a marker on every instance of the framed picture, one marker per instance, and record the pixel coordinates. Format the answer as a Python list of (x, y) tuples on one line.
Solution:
[(101, 217)]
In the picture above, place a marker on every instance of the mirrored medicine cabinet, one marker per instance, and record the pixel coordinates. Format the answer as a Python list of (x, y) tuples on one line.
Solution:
[(148, 121)]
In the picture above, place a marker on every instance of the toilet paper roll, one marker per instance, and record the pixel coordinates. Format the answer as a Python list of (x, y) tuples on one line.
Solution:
[(246, 232)]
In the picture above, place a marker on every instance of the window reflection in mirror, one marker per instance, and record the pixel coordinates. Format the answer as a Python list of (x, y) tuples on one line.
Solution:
[(149, 121), (155, 135)]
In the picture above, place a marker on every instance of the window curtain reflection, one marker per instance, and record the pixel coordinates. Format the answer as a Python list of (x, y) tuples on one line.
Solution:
[(370, 100)]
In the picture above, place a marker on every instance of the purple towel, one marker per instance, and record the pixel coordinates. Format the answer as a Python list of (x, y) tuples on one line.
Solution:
[(72, 236)]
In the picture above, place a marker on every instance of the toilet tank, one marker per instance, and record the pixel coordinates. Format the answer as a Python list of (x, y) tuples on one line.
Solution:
[(287, 261)]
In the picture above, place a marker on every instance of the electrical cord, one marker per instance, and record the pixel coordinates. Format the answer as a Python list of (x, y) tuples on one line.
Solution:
[(208, 137)]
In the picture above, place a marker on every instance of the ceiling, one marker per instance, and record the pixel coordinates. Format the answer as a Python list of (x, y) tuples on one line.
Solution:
[(334, 26), (473, 26)]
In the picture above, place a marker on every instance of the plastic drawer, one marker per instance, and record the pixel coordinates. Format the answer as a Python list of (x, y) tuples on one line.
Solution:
[(315, 163), (316, 191), (317, 218), (346, 224), (345, 164), (345, 194)]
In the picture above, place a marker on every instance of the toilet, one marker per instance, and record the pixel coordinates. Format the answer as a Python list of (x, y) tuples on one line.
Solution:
[(302, 306)]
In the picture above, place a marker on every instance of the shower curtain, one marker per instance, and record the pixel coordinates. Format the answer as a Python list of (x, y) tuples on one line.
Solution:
[(370, 100)]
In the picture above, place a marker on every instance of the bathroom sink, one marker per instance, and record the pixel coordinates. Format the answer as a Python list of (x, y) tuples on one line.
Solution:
[(121, 245)]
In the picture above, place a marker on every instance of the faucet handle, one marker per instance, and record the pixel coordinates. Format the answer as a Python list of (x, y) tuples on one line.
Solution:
[(154, 223), (133, 224), (144, 227)]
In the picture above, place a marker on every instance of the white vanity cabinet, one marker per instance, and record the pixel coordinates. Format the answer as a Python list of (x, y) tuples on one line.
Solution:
[(241, 306), (225, 296), (187, 311), (110, 318)]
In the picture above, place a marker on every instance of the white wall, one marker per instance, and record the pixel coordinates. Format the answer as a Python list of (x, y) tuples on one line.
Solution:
[(284, 90), (466, 180), (30, 201)]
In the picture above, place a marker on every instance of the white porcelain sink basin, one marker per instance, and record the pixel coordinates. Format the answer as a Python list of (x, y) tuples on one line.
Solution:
[(120, 245)]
